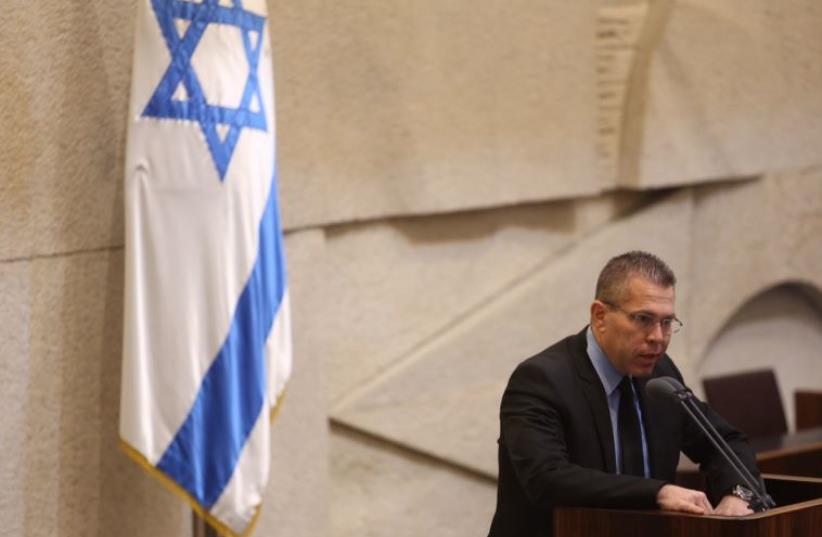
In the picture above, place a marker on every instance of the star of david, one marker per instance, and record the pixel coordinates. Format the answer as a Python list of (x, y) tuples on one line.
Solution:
[(221, 125)]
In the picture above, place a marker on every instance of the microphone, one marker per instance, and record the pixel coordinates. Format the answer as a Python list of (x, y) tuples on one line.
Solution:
[(664, 388), (668, 388)]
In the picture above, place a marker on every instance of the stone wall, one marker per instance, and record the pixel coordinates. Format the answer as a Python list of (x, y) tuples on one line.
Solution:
[(453, 176)]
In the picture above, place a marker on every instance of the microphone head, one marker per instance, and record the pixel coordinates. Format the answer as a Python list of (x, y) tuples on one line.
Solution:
[(676, 384), (664, 388)]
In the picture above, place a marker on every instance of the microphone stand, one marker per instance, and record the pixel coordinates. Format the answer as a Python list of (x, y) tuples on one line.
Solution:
[(762, 500)]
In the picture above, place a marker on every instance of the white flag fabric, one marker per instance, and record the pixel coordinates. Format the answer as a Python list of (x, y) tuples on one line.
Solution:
[(207, 345)]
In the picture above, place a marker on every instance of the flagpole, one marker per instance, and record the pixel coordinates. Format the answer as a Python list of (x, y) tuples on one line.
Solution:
[(196, 525), (200, 528)]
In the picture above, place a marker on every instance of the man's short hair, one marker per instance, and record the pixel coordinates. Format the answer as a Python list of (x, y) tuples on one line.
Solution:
[(612, 283)]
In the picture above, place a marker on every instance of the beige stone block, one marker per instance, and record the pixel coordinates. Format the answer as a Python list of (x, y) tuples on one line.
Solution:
[(379, 490), (732, 91), (66, 314), (382, 290), (64, 75), (444, 398), (14, 383), (749, 238), (397, 108)]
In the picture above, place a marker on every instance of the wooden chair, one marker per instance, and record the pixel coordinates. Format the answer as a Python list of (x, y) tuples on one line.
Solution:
[(808, 405), (749, 401)]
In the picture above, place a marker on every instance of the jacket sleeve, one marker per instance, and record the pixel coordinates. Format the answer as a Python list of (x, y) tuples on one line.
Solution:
[(533, 435), (721, 476)]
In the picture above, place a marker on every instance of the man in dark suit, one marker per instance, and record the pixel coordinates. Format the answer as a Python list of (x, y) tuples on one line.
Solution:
[(577, 429)]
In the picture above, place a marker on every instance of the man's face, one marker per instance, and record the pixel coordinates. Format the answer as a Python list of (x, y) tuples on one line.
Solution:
[(631, 348)]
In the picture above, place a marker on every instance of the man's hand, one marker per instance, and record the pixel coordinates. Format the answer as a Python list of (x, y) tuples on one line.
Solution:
[(674, 498), (732, 506)]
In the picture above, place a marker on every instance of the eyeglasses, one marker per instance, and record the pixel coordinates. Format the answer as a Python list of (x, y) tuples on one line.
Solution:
[(647, 322)]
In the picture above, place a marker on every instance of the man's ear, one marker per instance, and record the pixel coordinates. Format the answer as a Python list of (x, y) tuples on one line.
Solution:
[(598, 311)]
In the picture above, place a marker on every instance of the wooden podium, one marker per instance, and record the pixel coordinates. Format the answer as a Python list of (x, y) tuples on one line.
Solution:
[(798, 514)]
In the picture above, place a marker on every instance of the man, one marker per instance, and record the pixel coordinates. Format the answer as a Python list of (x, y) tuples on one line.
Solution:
[(577, 429)]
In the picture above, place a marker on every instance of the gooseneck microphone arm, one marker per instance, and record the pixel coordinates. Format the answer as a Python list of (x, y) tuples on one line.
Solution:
[(668, 387)]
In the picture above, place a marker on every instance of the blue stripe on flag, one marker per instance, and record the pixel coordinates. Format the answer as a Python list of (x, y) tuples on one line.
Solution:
[(205, 450)]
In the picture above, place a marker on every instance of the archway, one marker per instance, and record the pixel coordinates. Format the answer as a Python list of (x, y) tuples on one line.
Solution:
[(779, 328)]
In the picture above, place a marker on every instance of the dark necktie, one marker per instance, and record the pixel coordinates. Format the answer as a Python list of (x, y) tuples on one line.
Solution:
[(630, 435)]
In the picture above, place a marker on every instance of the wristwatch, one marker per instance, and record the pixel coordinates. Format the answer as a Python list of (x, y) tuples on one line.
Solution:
[(743, 493)]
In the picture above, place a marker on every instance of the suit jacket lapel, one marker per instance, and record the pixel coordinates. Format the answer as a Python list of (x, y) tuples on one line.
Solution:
[(594, 393)]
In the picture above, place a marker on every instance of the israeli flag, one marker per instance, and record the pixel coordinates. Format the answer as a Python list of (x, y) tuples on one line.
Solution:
[(207, 345)]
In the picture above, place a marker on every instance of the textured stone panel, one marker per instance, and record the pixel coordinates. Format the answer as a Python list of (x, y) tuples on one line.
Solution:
[(381, 491), (65, 78), (395, 107), (733, 90), (748, 238), (66, 314), (619, 30), (444, 399), (15, 377), (381, 290), (780, 329)]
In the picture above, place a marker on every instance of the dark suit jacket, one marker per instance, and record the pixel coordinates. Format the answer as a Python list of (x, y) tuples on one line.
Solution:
[(556, 444)]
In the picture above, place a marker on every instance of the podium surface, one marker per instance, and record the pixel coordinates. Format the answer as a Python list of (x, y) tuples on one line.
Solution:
[(798, 453), (798, 513)]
